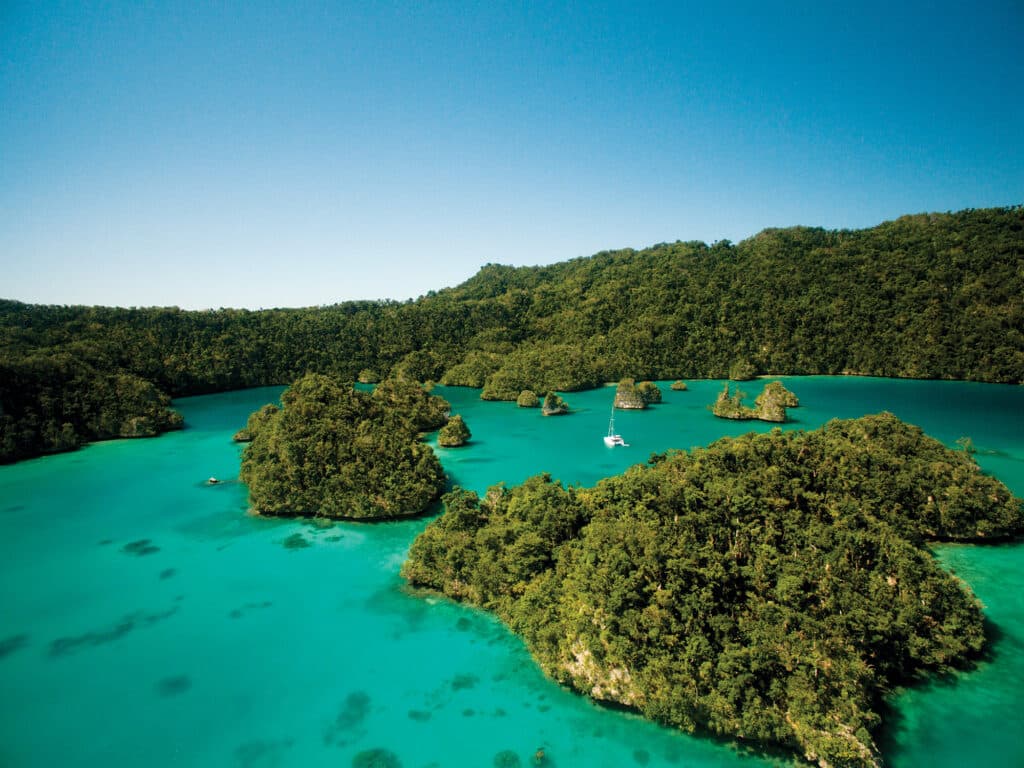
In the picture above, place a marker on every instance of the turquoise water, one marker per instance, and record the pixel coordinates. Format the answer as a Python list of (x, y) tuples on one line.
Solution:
[(145, 618)]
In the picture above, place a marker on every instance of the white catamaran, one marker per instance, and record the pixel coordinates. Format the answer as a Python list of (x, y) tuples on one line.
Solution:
[(612, 439)]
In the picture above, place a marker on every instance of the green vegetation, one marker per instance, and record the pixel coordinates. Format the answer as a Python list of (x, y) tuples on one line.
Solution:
[(422, 365), (742, 370), (678, 386), (57, 402), (770, 405), (554, 405), (628, 397), (333, 451), (527, 399), (729, 405), (775, 391), (255, 422), (473, 371), (773, 401), (770, 587), (927, 296), (649, 392), (542, 367), (424, 412), (453, 434)]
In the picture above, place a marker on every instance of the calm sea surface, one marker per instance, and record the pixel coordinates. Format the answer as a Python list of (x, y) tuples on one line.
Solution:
[(147, 620)]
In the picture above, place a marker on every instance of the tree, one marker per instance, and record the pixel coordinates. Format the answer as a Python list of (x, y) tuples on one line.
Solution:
[(730, 405), (333, 451), (453, 434), (554, 405), (628, 396), (776, 392), (770, 405), (742, 370), (257, 420), (649, 392), (527, 399), (900, 299), (770, 587)]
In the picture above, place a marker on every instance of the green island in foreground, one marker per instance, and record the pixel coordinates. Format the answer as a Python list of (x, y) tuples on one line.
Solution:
[(334, 451), (768, 588)]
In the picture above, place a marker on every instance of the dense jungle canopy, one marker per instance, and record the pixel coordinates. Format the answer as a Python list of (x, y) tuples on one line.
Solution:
[(332, 451), (930, 296), (769, 588)]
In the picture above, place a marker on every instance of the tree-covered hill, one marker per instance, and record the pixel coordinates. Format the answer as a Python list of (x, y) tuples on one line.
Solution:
[(770, 588), (931, 296), (334, 451)]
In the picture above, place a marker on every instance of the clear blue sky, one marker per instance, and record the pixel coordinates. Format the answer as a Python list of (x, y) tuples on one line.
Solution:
[(291, 154)]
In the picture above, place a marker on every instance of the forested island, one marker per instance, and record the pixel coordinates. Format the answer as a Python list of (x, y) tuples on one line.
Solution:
[(632, 396), (769, 588), (770, 405), (929, 296), (554, 405), (454, 434), (333, 451)]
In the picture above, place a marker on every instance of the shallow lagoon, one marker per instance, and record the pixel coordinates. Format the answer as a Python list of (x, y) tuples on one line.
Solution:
[(146, 619)]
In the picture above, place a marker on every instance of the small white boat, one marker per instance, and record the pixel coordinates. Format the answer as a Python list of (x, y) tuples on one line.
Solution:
[(612, 439)]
